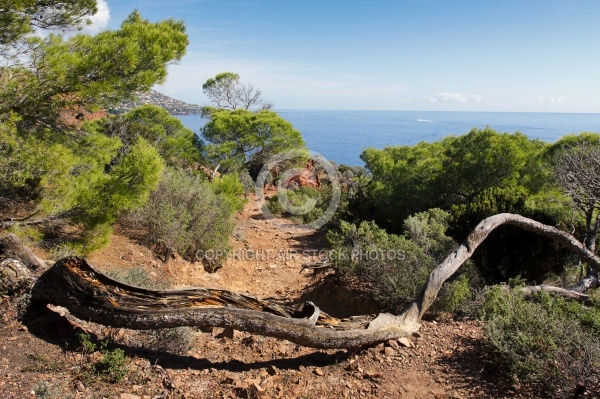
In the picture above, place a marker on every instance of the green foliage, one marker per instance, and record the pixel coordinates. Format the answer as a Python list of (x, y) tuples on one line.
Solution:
[(72, 171), (20, 17), (475, 176), (231, 189), (29, 235), (489, 202), (453, 295), (82, 179), (112, 365), (394, 267), (87, 345), (247, 182), (184, 214), (452, 171), (82, 73), (428, 230), (176, 144), (302, 204), (546, 341), (241, 139), (405, 180)]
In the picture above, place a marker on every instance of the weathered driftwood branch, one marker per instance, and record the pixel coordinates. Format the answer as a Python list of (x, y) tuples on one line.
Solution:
[(415, 310), (90, 295), (566, 293)]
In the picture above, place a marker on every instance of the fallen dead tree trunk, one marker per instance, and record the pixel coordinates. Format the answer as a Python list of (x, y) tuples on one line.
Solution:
[(90, 295)]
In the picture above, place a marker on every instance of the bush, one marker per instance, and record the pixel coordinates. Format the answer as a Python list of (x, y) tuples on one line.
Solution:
[(231, 189), (546, 341), (301, 204), (46, 390), (394, 267), (454, 295), (184, 214), (113, 363)]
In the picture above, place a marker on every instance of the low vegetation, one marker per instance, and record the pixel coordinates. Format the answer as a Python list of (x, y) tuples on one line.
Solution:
[(544, 340)]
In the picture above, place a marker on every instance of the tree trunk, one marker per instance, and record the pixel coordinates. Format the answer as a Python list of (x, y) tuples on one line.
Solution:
[(12, 247), (90, 295), (167, 255)]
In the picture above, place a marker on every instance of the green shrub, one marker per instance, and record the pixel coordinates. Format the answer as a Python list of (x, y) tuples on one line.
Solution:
[(184, 214), (394, 267), (247, 182), (453, 294), (302, 204), (231, 189), (28, 234), (428, 230), (545, 340), (113, 363)]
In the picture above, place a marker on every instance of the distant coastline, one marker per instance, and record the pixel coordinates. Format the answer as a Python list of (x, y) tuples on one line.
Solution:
[(340, 136), (152, 97)]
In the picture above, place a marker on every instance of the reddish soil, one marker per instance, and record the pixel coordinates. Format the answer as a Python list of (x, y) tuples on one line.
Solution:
[(447, 359)]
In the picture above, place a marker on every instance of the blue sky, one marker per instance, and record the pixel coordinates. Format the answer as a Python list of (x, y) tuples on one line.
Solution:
[(460, 55)]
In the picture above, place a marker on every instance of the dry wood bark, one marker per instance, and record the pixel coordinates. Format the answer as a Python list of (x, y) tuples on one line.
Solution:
[(12, 247), (90, 295)]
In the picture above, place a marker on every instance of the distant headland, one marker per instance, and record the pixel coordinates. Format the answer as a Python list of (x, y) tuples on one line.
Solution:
[(175, 107)]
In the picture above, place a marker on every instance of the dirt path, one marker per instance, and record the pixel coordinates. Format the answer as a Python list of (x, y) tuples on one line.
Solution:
[(446, 360)]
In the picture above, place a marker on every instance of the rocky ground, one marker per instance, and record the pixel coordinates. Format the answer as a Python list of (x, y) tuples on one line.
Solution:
[(41, 356)]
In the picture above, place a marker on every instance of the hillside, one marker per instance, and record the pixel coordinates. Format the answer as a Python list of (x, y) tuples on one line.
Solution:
[(152, 97), (445, 360)]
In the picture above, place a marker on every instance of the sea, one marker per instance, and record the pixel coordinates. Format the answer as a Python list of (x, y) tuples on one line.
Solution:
[(341, 136)]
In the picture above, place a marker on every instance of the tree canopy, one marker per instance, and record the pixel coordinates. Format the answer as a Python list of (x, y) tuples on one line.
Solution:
[(51, 157), (452, 171), (66, 79), (243, 139), (20, 17), (176, 144)]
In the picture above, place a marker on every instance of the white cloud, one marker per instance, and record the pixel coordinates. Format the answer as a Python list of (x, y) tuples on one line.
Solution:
[(455, 98), (99, 20), (551, 100)]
